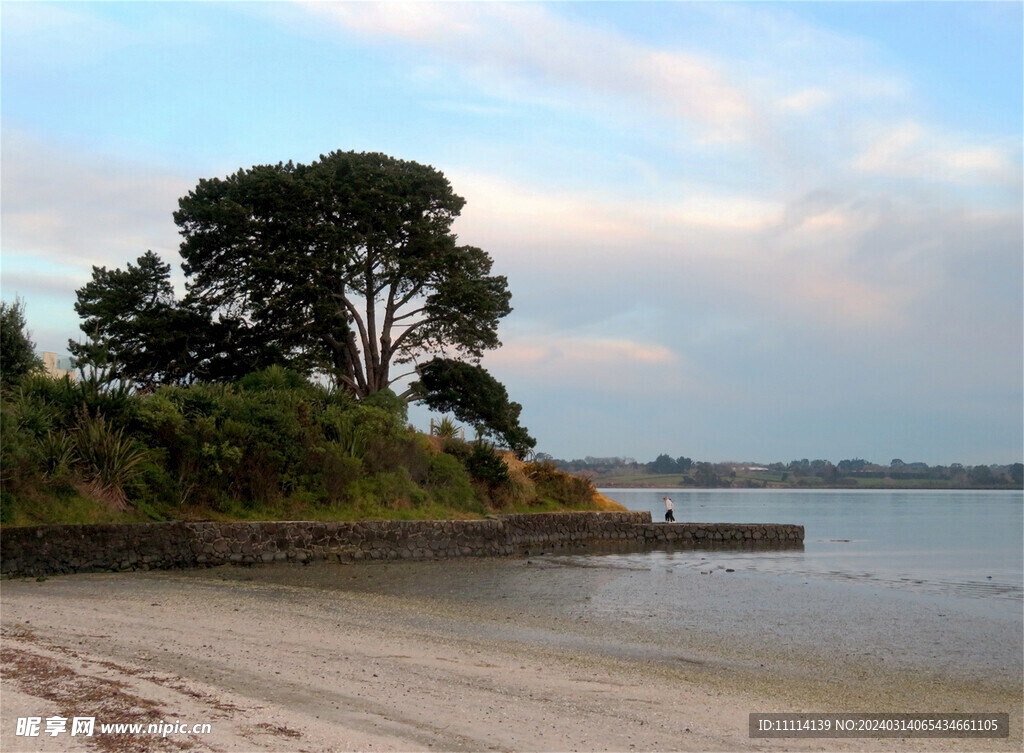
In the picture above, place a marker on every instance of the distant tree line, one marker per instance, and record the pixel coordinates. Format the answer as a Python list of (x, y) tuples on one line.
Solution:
[(805, 472)]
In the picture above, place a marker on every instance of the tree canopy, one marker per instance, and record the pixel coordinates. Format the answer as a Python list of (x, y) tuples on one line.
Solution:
[(473, 395), (347, 266), (349, 262), (17, 351)]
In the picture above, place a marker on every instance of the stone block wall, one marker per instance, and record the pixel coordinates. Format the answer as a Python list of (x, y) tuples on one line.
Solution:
[(46, 550)]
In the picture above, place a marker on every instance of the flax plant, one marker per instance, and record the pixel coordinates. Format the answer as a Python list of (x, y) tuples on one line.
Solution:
[(108, 459)]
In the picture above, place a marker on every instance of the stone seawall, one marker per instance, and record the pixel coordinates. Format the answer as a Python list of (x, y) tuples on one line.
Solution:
[(46, 550)]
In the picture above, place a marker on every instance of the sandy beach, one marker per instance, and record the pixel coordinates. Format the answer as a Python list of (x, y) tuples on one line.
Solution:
[(375, 657)]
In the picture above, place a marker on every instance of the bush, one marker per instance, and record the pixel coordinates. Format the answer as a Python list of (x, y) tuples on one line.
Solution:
[(389, 490), (449, 483), (484, 465), (109, 459), (271, 445), (554, 485), (24, 423), (337, 471), (457, 448), (273, 378)]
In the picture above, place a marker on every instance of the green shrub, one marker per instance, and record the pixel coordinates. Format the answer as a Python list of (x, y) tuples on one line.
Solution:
[(271, 445), (449, 483), (446, 429), (337, 470), (20, 427), (108, 459), (33, 412), (484, 465), (343, 429), (57, 454), (457, 448), (390, 490), (273, 378), (387, 401)]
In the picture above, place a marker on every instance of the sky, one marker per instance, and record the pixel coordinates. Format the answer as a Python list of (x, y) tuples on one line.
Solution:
[(732, 231)]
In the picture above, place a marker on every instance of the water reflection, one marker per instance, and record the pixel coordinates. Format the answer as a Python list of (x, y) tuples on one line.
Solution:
[(962, 543)]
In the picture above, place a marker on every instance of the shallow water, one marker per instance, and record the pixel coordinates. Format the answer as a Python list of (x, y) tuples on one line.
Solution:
[(955, 543), (899, 598), (660, 606)]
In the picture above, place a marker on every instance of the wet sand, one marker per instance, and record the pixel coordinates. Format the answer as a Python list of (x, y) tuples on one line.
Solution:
[(468, 655)]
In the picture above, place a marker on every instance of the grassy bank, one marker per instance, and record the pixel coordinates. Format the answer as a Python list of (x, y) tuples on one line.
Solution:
[(272, 446)]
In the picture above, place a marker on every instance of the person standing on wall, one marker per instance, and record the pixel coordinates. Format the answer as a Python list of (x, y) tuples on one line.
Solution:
[(669, 516)]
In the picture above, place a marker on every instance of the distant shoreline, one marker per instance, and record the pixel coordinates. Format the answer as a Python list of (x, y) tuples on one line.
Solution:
[(599, 484)]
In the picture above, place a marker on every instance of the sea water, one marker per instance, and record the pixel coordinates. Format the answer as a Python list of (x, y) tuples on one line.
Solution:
[(955, 543), (919, 583)]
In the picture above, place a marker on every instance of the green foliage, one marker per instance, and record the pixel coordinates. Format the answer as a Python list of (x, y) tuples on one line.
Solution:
[(704, 474), (22, 424), (389, 489), (449, 483), (664, 464), (17, 351), (274, 377), (386, 400), (347, 263), (97, 392), (474, 396), (130, 318), (483, 464), (108, 458), (58, 452), (338, 470), (446, 429), (272, 446)]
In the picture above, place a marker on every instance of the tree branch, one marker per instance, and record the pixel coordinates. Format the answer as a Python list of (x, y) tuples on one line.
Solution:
[(409, 313), (402, 376), (410, 395), (355, 366), (370, 351), (405, 335), (359, 320)]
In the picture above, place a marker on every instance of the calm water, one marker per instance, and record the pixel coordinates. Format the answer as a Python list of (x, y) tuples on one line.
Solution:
[(955, 543), (928, 582)]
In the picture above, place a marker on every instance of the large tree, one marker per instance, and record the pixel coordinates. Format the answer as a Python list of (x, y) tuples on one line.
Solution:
[(350, 260), (347, 266)]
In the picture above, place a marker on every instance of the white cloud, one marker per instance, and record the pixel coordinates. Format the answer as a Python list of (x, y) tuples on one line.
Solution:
[(850, 262), (911, 150), (74, 211), (508, 45), (535, 220), (604, 365), (807, 100), (64, 212), (39, 36)]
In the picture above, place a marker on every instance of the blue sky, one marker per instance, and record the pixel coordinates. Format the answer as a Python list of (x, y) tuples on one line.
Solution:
[(752, 231)]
